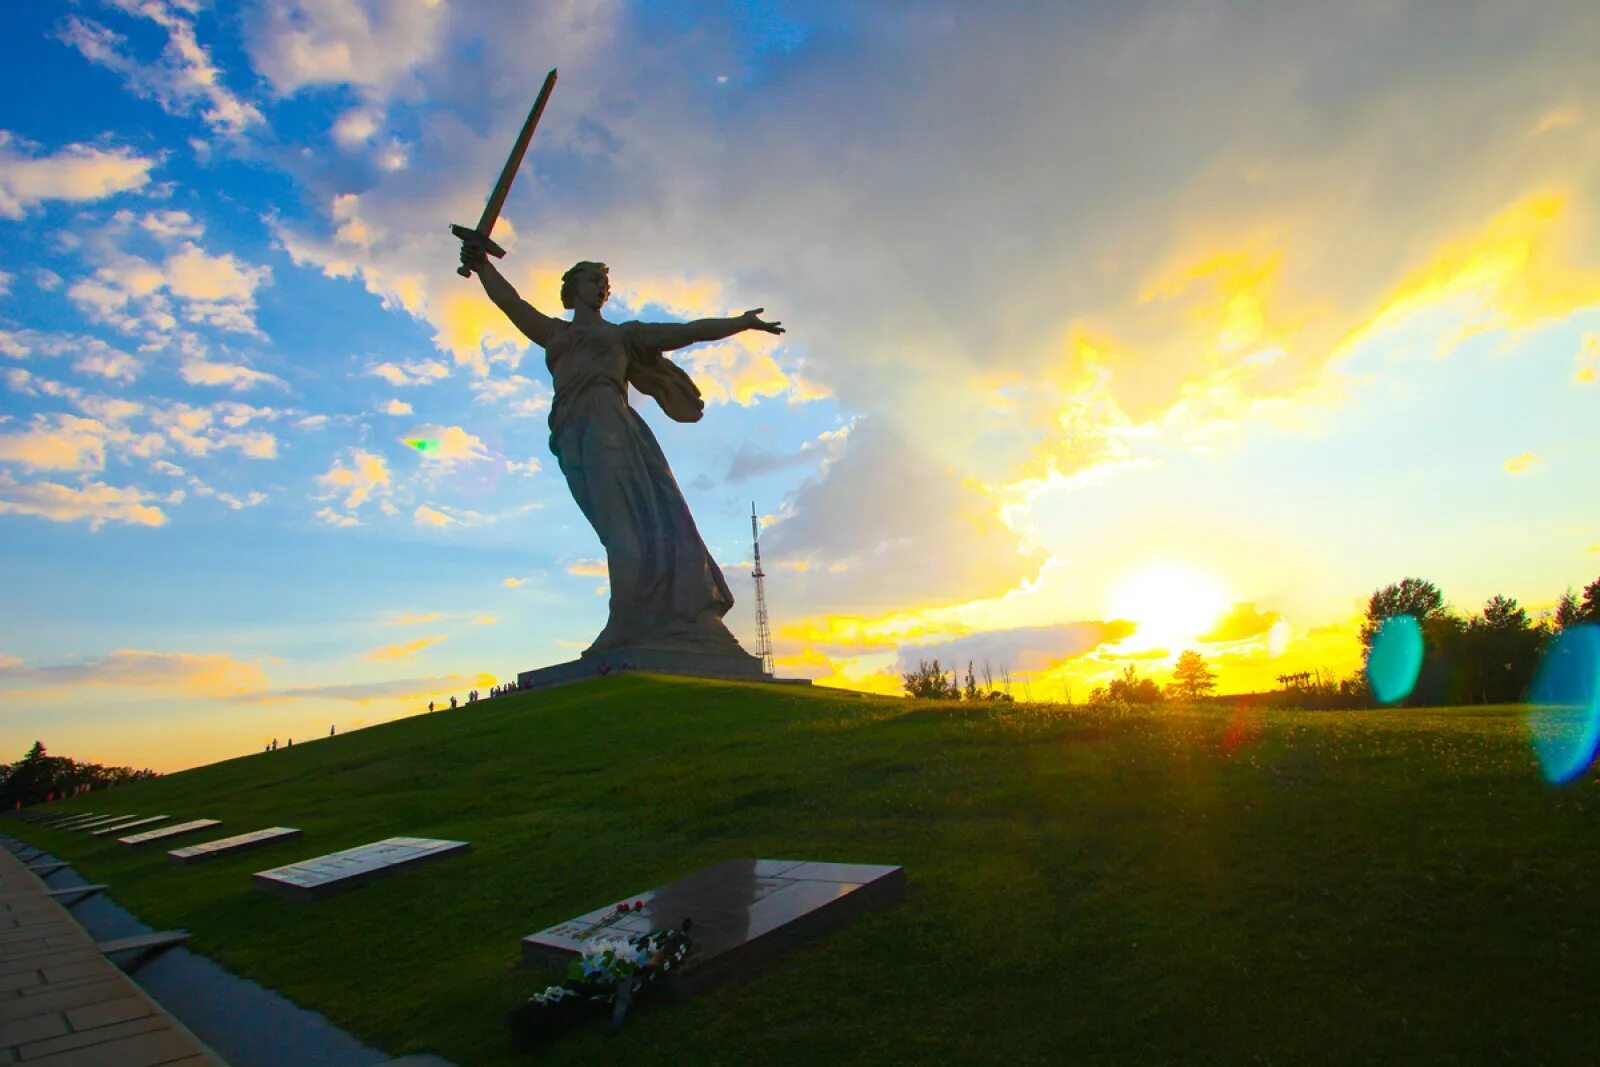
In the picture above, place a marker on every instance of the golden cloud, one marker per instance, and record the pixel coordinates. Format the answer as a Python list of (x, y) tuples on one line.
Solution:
[(1240, 623), (96, 502), (58, 443), (203, 675), (404, 651), (737, 371), (366, 474), (426, 516), (1522, 464), (412, 618)]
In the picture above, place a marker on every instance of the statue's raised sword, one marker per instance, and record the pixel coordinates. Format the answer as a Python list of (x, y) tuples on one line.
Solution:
[(479, 237)]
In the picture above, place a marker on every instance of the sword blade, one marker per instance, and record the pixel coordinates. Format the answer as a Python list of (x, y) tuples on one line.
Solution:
[(497, 199)]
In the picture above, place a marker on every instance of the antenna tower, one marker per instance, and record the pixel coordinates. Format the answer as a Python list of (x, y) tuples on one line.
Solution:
[(763, 630)]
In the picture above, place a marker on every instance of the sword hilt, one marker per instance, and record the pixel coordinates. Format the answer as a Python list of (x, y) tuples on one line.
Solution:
[(475, 239)]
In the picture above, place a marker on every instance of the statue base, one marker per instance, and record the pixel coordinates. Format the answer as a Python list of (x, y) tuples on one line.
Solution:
[(736, 666)]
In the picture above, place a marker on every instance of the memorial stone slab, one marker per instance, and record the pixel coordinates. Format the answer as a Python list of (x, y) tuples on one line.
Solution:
[(102, 820), (118, 827), (336, 872), (744, 912), (165, 832), (227, 846)]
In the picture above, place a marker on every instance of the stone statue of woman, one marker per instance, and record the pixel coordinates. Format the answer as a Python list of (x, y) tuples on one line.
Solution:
[(667, 593)]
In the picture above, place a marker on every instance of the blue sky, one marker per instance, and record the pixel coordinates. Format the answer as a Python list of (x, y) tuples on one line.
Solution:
[(1263, 308)]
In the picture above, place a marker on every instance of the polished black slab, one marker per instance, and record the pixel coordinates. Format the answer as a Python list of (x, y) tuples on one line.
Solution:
[(163, 833), (744, 912), (227, 846), (336, 872)]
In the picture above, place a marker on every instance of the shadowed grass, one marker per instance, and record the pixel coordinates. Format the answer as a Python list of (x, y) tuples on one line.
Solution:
[(1177, 886)]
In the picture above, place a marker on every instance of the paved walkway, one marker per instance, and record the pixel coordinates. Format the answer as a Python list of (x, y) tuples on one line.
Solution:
[(62, 1003)]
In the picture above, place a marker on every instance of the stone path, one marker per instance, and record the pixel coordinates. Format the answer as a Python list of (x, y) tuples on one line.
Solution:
[(62, 1003)]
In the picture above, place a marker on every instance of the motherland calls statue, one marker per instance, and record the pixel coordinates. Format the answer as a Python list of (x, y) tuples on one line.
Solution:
[(667, 593)]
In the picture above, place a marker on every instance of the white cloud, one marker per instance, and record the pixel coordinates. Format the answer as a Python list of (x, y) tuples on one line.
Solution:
[(417, 372), (172, 225), (355, 127), (195, 432), (427, 516), (372, 44), (137, 295), (183, 80), (77, 172), (358, 477), (94, 356), (94, 502), (5, 283), (445, 444), (397, 407)]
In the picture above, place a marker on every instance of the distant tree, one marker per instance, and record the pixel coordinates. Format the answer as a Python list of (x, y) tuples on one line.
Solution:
[(970, 692), (1501, 649), (38, 776), (1191, 678), (928, 681), (1569, 612), (1441, 679), (1589, 608), (1132, 689), (1410, 596)]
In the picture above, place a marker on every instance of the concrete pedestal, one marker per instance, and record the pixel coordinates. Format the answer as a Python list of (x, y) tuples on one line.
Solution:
[(734, 667)]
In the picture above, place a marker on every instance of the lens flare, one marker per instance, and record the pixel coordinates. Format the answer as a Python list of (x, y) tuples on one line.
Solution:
[(1395, 659), (423, 444), (1565, 721)]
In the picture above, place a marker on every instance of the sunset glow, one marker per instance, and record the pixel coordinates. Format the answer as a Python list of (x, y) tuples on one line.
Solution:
[(1161, 329)]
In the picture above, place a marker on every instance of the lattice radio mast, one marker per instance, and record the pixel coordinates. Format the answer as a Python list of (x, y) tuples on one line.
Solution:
[(763, 630)]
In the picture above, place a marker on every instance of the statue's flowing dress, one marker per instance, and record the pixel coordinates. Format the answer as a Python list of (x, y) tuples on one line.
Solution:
[(666, 590)]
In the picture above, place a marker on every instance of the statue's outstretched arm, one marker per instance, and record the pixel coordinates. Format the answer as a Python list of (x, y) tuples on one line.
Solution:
[(669, 335), (523, 315)]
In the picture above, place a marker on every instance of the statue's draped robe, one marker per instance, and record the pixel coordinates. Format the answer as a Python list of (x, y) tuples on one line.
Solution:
[(666, 590)]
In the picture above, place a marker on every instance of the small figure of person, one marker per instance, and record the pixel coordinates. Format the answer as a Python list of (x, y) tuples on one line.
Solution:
[(330, 731), (452, 703), (274, 744), (290, 744), (430, 705)]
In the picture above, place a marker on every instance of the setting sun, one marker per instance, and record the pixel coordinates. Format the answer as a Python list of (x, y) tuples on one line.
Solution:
[(1171, 603)]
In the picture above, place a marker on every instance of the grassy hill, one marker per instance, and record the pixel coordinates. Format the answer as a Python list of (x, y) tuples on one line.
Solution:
[(1172, 886)]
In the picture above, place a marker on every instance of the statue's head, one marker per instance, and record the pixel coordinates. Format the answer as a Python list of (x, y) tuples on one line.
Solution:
[(579, 278)]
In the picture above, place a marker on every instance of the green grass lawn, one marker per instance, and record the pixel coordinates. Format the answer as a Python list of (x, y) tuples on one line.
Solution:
[(1171, 886)]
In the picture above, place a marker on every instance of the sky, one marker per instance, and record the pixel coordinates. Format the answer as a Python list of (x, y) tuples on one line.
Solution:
[(1114, 330)]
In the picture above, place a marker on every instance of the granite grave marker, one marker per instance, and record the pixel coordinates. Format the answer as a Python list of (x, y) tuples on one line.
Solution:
[(336, 872), (118, 827), (227, 846), (165, 832)]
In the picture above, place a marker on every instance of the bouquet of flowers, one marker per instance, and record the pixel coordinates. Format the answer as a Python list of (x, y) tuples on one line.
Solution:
[(612, 972)]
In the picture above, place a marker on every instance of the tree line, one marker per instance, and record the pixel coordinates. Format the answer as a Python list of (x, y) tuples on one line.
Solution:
[(1489, 657), (39, 777)]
